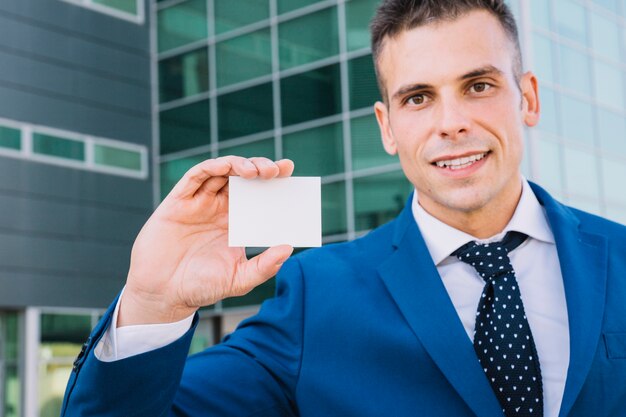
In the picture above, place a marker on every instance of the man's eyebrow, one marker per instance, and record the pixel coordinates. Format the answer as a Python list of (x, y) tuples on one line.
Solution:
[(480, 72), (411, 88)]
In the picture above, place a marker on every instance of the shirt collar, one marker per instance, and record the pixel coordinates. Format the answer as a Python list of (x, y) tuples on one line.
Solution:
[(441, 239)]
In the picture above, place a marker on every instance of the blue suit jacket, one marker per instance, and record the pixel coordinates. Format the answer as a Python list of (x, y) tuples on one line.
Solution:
[(366, 328)]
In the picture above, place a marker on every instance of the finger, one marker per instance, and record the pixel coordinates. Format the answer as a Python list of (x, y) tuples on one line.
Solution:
[(220, 167), (262, 267), (266, 167), (285, 167)]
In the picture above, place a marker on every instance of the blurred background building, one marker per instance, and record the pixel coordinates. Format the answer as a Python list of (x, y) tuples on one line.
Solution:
[(104, 104)]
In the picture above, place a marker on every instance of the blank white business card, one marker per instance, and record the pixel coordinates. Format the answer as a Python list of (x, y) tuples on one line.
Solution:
[(273, 212)]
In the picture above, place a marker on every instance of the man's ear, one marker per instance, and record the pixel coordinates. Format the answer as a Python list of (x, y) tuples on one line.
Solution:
[(382, 116), (530, 99)]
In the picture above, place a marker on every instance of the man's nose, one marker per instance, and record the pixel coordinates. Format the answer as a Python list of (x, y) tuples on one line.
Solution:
[(452, 119)]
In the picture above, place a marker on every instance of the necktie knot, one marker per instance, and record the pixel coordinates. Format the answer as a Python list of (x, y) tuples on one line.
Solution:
[(490, 260)]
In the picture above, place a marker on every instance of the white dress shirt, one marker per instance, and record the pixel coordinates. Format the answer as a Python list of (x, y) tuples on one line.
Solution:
[(536, 267)]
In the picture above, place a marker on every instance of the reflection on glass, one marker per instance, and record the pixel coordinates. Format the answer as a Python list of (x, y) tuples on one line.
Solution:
[(62, 336), (367, 147), (363, 87), (185, 127), (577, 120), (613, 174), (604, 36), (358, 16), (308, 38), (311, 95), (540, 14), (542, 49), (317, 151), (244, 57), (173, 171), (574, 70), (245, 112), (117, 157), (181, 24), (612, 132), (379, 198), (581, 174), (548, 120), (289, 5), (50, 145), (127, 6), (10, 359), (231, 14), (263, 147), (10, 138), (548, 165), (609, 85), (334, 208), (183, 75), (570, 19)]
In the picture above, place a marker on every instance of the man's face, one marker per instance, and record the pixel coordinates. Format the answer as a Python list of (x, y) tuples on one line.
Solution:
[(455, 114)]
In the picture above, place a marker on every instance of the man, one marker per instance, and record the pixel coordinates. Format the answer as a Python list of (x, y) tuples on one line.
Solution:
[(412, 319)]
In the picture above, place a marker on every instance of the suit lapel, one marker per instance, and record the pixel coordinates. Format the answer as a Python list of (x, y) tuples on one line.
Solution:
[(414, 283), (583, 258)]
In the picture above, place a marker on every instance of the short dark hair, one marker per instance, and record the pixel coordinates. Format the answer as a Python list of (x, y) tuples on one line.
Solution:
[(396, 16)]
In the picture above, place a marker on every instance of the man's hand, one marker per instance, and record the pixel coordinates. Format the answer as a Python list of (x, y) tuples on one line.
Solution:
[(181, 260)]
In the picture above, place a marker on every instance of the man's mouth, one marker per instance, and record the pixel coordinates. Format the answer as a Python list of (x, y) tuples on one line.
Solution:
[(460, 163)]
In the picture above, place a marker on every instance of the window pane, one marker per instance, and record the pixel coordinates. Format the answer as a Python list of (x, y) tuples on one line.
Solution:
[(548, 156), (540, 14), (183, 75), (128, 6), (613, 174), (605, 36), (542, 48), (570, 20), (62, 336), (308, 38), (548, 121), (311, 95), (173, 171), (117, 157), (574, 70), (581, 173), (379, 198), (358, 16), (244, 57), (231, 14), (289, 5), (609, 4), (609, 85), (182, 24), (316, 151), (367, 147), (612, 131), (10, 138), (185, 127), (616, 213), (363, 86), (334, 208), (60, 147), (577, 121), (245, 112), (259, 148)]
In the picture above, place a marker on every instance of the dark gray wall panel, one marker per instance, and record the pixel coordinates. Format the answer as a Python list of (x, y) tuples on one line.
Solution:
[(65, 233)]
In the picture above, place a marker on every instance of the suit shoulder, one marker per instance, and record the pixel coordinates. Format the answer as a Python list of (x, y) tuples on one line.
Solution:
[(600, 225)]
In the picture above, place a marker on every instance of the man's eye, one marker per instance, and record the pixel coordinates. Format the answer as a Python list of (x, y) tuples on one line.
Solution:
[(417, 99), (480, 87)]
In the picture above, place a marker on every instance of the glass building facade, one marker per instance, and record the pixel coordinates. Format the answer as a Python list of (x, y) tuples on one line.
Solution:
[(294, 79)]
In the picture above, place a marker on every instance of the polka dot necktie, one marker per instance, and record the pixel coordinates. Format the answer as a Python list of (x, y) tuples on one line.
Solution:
[(502, 337)]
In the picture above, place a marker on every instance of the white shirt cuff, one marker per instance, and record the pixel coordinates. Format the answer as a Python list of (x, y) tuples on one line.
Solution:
[(121, 343)]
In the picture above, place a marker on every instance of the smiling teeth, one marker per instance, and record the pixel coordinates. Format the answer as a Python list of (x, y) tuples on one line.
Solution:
[(460, 163)]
